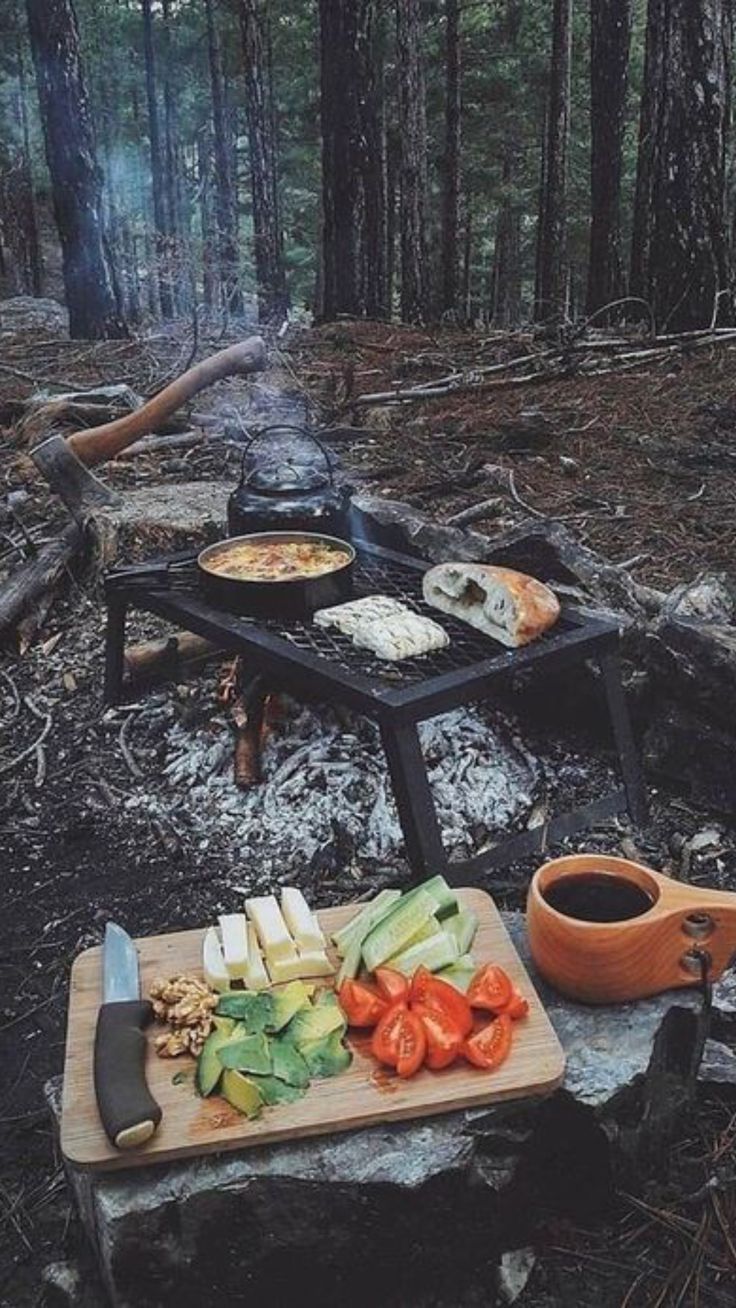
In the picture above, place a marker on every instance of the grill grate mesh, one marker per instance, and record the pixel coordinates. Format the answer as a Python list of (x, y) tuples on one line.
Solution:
[(377, 574)]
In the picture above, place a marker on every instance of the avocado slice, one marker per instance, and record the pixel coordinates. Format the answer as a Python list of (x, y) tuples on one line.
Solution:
[(251, 1054), (285, 1003), (316, 1022), (209, 1067), (254, 1010), (326, 1056), (242, 1093), (288, 1064), (273, 1091)]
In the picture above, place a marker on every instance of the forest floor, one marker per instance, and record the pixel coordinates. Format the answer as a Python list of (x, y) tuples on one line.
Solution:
[(640, 467)]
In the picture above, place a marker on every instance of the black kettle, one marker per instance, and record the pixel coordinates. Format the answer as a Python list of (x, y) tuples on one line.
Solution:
[(289, 492)]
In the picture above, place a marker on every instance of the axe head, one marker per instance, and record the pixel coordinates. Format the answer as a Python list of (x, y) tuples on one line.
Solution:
[(69, 478)]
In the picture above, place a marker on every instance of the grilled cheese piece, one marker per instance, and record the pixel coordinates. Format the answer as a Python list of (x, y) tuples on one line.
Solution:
[(402, 636), (346, 618)]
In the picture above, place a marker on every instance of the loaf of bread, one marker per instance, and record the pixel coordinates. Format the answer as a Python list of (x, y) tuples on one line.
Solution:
[(506, 605)]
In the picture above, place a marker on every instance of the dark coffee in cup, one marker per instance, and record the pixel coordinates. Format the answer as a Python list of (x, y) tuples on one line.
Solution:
[(598, 897)]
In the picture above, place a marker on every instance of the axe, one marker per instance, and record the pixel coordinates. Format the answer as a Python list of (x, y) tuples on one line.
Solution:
[(66, 462)]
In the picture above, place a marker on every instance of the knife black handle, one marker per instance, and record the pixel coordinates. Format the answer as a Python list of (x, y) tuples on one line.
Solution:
[(127, 1108)]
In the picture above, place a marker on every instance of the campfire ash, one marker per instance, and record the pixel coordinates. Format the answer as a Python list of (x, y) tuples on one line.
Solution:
[(326, 788)]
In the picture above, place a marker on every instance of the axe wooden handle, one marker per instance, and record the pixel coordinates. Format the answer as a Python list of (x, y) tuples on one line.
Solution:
[(99, 444)]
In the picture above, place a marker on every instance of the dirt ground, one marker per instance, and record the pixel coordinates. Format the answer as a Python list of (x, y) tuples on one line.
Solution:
[(640, 467)]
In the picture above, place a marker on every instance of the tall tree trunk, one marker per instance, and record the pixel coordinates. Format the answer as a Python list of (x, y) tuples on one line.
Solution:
[(225, 210), (392, 186), (652, 98), (684, 257), (506, 274), (75, 176), (466, 288), (209, 289), (610, 37), (158, 175), (341, 158), (413, 181), (451, 169), (267, 236), (551, 291), (32, 238), (373, 161)]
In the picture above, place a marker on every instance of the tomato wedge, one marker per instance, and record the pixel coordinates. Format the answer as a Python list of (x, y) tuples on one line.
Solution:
[(412, 1045), (361, 1004), (391, 984), (399, 1040), (490, 989), (517, 1006), (491, 1045), (444, 1038), (433, 992), (385, 1041)]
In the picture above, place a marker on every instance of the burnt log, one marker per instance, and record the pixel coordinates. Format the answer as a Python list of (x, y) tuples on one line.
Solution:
[(28, 583)]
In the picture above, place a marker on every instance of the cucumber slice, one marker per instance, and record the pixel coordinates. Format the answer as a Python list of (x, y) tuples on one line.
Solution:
[(350, 964), (358, 927), (463, 926), (460, 973), (445, 899), (439, 951), (394, 932)]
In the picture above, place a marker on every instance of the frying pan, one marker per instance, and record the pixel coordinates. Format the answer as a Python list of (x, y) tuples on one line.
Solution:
[(295, 597)]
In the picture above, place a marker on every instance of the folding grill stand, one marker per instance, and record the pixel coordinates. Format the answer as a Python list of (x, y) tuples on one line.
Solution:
[(295, 656)]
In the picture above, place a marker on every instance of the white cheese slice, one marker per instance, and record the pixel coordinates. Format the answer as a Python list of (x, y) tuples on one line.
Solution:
[(300, 920), (234, 943), (273, 932), (213, 963), (256, 977), (315, 963)]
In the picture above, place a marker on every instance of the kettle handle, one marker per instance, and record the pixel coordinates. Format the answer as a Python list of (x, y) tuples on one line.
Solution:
[(286, 426)]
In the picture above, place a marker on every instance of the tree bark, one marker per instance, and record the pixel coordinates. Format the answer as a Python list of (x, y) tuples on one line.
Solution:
[(610, 37), (506, 275), (158, 177), (267, 235), (451, 170), (225, 210), (650, 111), (682, 253), (209, 280), (551, 291), (413, 177), (75, 176), (341, 158), (32, 239), (374, 291)]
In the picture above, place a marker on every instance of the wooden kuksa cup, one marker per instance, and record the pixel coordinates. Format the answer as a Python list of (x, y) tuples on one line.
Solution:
[(609, 962)]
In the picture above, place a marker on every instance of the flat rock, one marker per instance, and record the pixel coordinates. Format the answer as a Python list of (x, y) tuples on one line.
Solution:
[(162, 518), (338, 1213)]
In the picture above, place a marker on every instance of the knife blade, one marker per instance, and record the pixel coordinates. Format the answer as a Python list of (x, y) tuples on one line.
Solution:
[(128, 1111)]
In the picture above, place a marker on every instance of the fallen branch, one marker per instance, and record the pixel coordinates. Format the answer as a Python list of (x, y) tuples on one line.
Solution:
[(476, 512), (37, 744), (168, 654), (181, 440), (32, 579)]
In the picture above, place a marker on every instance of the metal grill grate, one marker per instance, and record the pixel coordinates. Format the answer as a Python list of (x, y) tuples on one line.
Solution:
[(377, 572), (380, 576)]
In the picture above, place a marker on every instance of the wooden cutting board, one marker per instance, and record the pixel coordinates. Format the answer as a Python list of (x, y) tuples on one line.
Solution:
[(365, 1095)]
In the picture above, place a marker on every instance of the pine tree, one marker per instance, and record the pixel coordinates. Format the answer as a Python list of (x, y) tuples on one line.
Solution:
[(72, 163)]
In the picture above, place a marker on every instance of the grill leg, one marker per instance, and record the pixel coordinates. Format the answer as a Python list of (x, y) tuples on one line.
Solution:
[(610, 666), (414, 802), (115, 650)]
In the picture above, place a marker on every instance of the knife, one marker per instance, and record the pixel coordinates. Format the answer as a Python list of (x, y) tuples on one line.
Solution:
[(128, 1111)]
